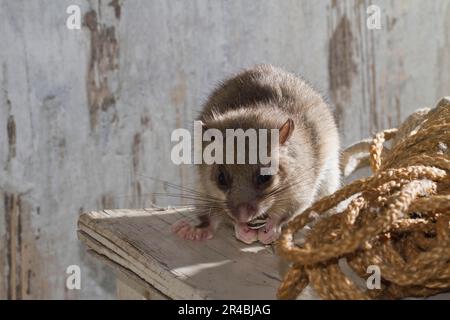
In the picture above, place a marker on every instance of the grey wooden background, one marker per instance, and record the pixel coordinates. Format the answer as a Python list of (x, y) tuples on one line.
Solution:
[(86, 114)]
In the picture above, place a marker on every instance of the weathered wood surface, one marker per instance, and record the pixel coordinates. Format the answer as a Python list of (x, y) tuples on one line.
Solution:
[(86, 114), (140, 242), (129, 286)]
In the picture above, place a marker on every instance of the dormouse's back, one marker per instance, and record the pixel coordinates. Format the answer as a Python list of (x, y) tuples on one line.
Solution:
[(263, 85), (266, 96)]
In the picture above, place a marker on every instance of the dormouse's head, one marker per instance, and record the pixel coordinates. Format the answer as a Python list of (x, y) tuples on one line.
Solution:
[(244, 191)]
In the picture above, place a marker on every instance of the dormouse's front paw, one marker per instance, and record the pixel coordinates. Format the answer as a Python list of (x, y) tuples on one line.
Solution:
[(245, 234), (269, 233), (185, 230)]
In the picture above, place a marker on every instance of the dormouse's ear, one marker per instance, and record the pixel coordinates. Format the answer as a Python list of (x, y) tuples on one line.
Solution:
[(286, 131)]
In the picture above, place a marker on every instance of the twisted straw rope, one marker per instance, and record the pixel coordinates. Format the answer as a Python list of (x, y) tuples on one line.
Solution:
[(397, 219)]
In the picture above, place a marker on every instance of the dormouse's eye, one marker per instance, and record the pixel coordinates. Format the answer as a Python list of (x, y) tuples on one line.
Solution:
[(222, 180), (263, 179)]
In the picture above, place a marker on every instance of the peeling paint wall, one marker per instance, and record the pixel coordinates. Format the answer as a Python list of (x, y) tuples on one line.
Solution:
[(86, 115)]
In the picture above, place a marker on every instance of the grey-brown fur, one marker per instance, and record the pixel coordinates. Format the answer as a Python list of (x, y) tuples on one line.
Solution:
[(266, 97)]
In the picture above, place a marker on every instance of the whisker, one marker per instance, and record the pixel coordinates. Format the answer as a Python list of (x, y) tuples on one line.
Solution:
[(178, 187), (282, 187), (183, 196)]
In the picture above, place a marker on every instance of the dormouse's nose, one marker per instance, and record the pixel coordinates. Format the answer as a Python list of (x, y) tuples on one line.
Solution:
[(245, 211)]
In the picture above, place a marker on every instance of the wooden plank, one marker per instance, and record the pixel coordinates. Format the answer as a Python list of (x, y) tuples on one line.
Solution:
[(126, 292), (128, 288), (128, 284), (159, 280), (222, 268)]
